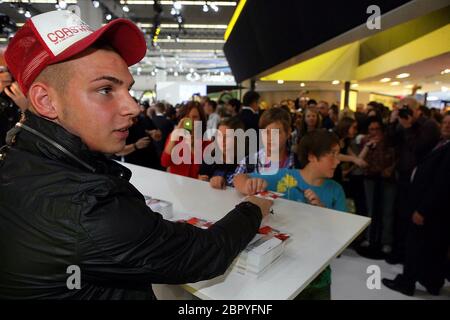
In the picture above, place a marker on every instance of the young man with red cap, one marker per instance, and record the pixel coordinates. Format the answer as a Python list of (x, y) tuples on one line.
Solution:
[(63, 203)]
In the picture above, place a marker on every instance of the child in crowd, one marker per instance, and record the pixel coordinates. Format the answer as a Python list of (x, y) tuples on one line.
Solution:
[(318, 157), (221, 175), (272, 119)]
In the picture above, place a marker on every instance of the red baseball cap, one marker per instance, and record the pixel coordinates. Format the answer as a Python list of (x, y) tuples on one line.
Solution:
[(56, 36)]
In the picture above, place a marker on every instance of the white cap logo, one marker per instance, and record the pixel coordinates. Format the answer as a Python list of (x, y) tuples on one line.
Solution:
[(60, 29)]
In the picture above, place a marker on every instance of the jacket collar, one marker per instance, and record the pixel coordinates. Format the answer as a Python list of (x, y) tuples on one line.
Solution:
[(41, 136)]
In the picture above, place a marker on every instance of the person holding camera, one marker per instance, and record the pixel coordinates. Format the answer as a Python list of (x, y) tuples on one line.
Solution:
[(174, 156), (67, 210), (413, 137), (12, 101)]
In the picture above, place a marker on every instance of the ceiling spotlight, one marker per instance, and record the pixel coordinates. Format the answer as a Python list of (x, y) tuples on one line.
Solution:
[(153, 73), (395, 83), (302, 84), (27, 14), (354, 85), (20, 10), (205, 8), (173, 11), (175, 73), (445, 71), (385, 80), (95, 3), (402, 75), (280, 81), (62, 4), (169, 37), (335, 82), (177, 5), (214, 7), (108, 17), (125, 8)]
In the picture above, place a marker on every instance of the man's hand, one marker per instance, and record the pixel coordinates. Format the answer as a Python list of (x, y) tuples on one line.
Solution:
[(312, 198), (142, 143), (217, 182), (263, 204), (14, 92), (156, 134), (255, 185), (203, 177), (5, 78), (417, 218)]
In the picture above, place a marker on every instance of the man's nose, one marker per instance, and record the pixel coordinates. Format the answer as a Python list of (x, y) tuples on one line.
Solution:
[(130, 107)]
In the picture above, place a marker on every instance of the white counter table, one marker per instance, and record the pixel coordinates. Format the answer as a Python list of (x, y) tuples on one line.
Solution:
[(317, 235)]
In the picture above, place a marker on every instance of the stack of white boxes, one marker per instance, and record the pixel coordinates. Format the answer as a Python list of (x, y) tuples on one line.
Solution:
[(262, 251)]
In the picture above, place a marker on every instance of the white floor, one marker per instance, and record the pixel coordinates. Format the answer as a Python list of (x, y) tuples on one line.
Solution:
[(349, 278)]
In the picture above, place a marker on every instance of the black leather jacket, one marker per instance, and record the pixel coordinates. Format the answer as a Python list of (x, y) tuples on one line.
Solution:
[(69, 206)]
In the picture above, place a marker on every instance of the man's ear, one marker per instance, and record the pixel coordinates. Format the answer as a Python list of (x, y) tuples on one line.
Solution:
[(42, 99)]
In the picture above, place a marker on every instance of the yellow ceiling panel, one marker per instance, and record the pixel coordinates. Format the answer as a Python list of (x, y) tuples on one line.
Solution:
[(337, 64)]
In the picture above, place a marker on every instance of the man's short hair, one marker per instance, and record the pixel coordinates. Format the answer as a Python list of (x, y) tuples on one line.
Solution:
[(318, 143), (275, 115), (250, 97), (160, 107), (323, 102), (376, 119), (58, 75), (235, 103)]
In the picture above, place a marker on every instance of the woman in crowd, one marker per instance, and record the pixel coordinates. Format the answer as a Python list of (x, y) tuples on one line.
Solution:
[(347, 130), (173, 157), (305, 122), (380, 190), (349, 173)]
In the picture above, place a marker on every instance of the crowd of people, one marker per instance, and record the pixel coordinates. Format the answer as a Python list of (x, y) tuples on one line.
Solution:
[(375, 154), (378, 152), (65, 202)]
